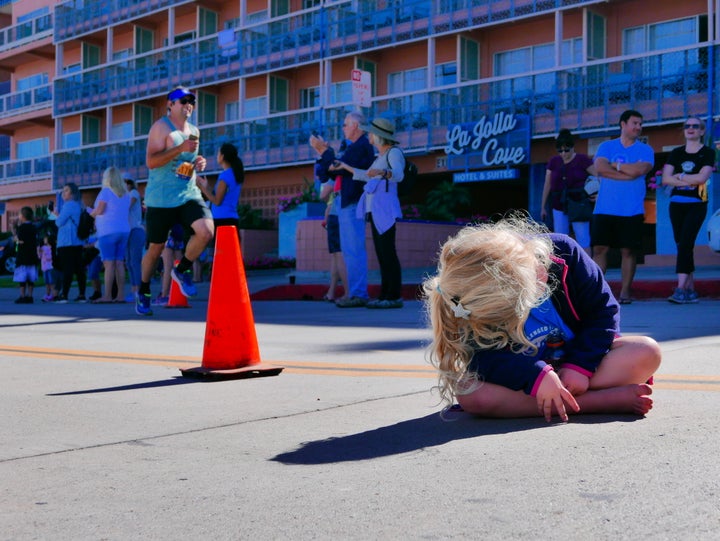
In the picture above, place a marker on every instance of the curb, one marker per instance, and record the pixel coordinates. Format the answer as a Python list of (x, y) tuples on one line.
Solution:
[(642, 289)]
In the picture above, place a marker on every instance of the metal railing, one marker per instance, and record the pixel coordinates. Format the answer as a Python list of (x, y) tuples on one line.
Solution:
[(24, 101), (15, 171), (25, 32), (347, 17), (73, 19), (665, 87)]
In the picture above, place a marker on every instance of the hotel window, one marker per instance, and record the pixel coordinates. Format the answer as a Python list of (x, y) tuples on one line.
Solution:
[(208, 22), (469, 59), (144, 40), (413, 109), (34, 148), (596, 36), (279, 88), (90, 55), (143, 119), (71, 139), (32, 81), (341, 92), (445, 74), (309, 97), (527, 59), (207, 108), (90, 130), (232, 111), (255, 107), (122, 131), (666, 35)]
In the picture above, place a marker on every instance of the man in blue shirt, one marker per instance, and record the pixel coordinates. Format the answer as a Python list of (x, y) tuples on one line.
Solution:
[(358, 154), (622, 165)]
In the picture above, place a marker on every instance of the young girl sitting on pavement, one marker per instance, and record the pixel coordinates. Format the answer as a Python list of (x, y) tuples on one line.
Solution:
[(524, 324)]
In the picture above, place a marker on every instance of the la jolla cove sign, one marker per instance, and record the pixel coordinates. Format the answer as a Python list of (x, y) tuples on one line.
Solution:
[(502, 140)]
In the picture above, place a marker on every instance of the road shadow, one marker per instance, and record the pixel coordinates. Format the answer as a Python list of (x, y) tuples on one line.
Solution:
[(177, 380), (417, 434)]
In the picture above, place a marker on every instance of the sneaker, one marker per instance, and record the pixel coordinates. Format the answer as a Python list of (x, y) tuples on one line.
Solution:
[(185, 281), (351, 302), (142, 305), (47, 298), (60, 299), (160, 301), (29, 300), (692, 296), (96, 295), (130, 297), (80, 298), (21, 300), (678, 296), (373, 303)]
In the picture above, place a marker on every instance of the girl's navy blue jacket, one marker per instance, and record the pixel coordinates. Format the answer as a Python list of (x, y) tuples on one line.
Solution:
[(585, 303)]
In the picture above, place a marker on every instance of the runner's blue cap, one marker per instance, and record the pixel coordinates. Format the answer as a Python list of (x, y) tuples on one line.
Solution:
[(179, 93)]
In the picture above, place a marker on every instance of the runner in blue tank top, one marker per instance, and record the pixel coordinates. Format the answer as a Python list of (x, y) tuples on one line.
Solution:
[(172, 196)]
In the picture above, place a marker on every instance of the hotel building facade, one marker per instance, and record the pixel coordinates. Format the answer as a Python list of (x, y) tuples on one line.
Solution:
[(478, 89)]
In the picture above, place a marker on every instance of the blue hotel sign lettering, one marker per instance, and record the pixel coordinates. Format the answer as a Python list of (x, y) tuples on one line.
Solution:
[(502, 140)]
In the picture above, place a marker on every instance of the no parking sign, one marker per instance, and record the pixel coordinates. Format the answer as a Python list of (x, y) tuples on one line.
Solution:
[(361, 88)]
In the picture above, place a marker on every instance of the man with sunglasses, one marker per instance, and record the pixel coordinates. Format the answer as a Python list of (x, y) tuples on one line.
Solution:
[(622, 165), (172, 196)]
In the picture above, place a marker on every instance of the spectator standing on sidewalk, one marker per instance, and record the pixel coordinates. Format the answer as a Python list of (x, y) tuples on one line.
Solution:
[(380, 203), (136, 240), (112, 221), (27, 260), (687, 170), (360, 154), (69, 245), (330, 193), (622, 165)]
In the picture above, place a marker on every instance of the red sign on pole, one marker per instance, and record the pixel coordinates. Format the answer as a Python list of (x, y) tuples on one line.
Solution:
[(361, 88)]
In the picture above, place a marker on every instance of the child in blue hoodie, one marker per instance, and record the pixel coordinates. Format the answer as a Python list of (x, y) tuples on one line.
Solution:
[(524, 324)]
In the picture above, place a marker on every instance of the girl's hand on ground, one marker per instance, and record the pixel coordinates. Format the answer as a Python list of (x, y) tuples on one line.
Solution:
[(574, 381), (552, 393)]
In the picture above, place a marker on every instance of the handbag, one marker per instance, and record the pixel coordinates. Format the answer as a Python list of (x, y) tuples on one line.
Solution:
[(576, 202), (580, 209)]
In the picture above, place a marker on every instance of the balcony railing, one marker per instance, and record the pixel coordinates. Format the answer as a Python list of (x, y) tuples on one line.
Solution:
[(25, 101), (20, 34), (346, 18), (15, 171), (665, 87), (74, 17)]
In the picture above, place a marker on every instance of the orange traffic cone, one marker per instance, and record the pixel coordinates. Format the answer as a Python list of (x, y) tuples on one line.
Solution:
[(231, 348), (176, 299)]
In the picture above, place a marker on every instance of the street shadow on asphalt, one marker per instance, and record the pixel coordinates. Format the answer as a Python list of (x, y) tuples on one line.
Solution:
[(419, 434), (144, 385)]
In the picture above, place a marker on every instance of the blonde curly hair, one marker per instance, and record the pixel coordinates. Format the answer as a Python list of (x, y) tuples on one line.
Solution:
[(488, 279)]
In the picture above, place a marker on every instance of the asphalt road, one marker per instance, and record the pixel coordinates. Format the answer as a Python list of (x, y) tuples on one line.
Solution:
[(100, 437)]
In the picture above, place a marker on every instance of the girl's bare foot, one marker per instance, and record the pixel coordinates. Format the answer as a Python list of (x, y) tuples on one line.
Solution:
[(633, 398)]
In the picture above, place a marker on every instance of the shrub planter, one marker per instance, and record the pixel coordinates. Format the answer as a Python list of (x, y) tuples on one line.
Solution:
[(257, 243), (288, 222)]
